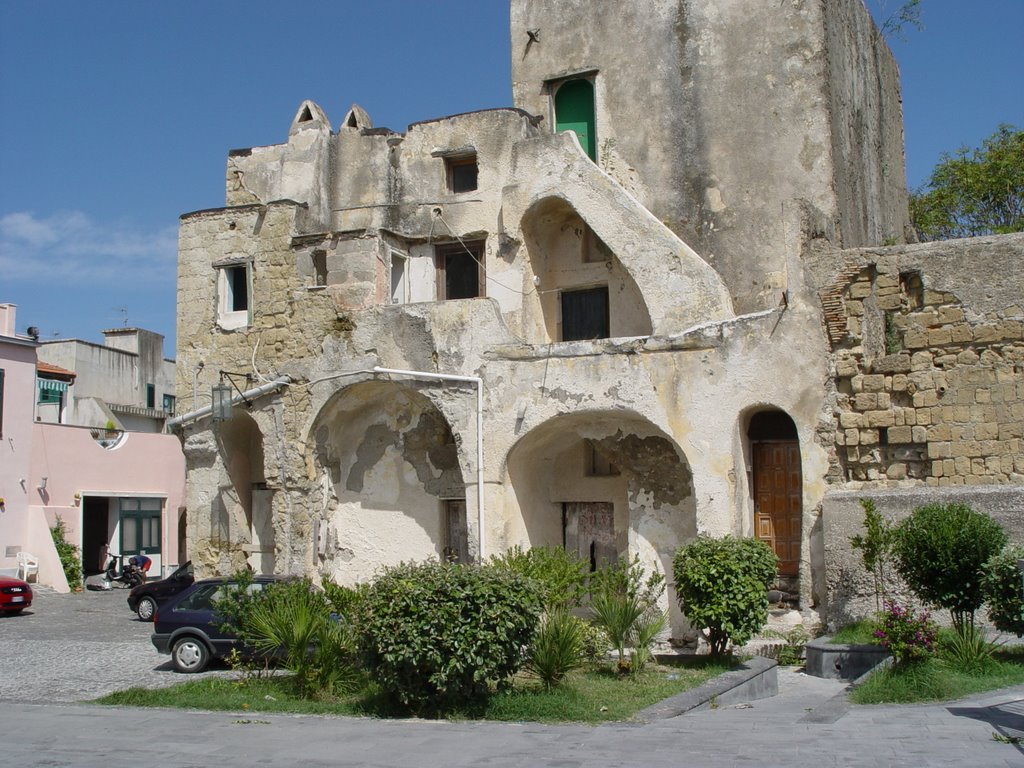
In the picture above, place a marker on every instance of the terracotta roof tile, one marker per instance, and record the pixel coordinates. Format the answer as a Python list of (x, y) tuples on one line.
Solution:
[(54, 371)]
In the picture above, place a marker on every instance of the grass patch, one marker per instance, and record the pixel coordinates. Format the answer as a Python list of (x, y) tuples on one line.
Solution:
[(936, 679), (861, 632), (589, 695)]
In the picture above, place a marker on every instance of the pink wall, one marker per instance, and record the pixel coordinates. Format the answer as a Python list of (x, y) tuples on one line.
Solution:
[(142, 464), (18, 362)]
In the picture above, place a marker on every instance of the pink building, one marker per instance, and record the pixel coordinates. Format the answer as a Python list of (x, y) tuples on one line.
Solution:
[(118, 491)]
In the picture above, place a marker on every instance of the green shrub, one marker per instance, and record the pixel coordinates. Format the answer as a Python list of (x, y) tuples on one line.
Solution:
[(625, 605), (438, 636), (560, 574), (596, 643), (557, 648), (940, 552), (68, 554), (292, 621), (1003, 585), (722, 587)]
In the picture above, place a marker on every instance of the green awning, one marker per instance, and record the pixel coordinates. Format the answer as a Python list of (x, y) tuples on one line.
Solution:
[(54, 385)]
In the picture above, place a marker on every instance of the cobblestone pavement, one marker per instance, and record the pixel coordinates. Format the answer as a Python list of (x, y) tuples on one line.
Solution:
[(77, 647)]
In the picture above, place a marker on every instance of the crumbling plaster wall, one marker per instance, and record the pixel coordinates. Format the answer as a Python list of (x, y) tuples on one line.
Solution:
[(728, 132)]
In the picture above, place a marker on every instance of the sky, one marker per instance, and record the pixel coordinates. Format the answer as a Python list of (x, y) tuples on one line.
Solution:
[(116, 117)]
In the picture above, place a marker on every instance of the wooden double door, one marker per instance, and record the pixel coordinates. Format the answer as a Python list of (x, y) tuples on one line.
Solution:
[(778, 500)]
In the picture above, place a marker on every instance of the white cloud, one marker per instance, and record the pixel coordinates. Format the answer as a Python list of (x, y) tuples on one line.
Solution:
[(70, 246)]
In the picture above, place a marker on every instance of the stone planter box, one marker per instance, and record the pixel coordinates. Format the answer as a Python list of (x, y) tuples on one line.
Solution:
[(842, 661)]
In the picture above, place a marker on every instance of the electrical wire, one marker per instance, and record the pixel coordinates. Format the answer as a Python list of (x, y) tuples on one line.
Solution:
[(487, 276)]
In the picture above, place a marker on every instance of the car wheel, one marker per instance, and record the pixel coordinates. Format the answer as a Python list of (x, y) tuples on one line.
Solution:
[(190, 654), (146, 608)]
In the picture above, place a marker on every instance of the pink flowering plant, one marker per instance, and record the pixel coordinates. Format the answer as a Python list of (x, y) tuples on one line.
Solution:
[(909, 636)]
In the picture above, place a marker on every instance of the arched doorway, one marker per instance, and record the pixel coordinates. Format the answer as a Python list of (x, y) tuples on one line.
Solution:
[(777, 486)]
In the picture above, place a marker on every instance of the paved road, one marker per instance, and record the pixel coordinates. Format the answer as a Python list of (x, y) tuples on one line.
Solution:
[(802, 727)]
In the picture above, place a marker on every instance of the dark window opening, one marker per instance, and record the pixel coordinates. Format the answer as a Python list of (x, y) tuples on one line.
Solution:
[(770, 426), (320, 267), (598, 465), (460, 271), (169, 404), (306, 115), (352, 121), (585, 314), (150, 396), (237, 279), (462, 173)]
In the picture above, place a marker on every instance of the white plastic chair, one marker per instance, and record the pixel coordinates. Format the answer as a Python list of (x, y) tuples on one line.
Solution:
[(27, 565)]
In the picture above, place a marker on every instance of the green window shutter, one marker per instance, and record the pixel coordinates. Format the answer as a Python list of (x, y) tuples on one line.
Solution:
[(574, 111)]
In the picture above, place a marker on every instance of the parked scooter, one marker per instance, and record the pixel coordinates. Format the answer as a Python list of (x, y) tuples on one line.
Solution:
[(121, 575)]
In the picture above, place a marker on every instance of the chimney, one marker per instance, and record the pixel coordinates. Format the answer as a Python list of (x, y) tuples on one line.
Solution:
[(7, 315)]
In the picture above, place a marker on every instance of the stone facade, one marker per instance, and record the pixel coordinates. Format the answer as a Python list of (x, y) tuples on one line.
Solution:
[(472, 335)]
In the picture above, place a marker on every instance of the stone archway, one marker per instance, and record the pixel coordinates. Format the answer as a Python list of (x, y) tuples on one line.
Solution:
[(576, 473), (391, 481)]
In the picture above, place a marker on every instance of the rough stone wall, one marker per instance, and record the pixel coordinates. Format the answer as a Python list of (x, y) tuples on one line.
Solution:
[(930, 368)]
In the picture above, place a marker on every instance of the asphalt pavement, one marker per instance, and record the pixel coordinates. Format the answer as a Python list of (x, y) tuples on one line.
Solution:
[(72, 648)]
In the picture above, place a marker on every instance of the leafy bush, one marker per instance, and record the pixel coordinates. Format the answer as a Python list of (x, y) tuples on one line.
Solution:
[(875, 547), (940, 551), (722, 587), (557, 648), (1003, 584), (68, 554), (560, 574), (345, 601), (292, 621), (596, 643), (625, 605), (907, 635), (438, 636)]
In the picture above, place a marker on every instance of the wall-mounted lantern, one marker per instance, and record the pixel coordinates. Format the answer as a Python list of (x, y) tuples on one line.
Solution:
[(221, 401)]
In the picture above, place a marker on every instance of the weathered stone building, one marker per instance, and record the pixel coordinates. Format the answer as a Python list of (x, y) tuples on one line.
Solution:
[(664, 295)]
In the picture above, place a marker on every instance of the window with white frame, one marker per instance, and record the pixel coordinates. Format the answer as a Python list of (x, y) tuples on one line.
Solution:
[(399, 278)]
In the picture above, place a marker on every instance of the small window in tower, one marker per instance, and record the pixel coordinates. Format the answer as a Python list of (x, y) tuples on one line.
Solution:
[(320, 267), (462, 173), (233, 296)]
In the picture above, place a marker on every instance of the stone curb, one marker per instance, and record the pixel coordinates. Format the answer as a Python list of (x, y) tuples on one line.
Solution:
[(756, 678)]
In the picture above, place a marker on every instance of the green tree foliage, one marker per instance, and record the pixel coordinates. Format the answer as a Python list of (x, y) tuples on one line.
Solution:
[(68, 554), (974, 192), (907, 14), (1004, 590), (440, 636), (560, 574), (722, 587), (940, 551), (875, 547), (625, 605)]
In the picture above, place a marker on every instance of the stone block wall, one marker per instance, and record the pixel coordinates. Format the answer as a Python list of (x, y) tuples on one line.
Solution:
[(929, 381)]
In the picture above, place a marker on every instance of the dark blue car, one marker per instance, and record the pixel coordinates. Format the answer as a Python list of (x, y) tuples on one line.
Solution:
[(187, 627)]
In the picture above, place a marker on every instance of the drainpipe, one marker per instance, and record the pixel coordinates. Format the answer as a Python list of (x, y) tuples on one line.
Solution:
[(479, 437), (249, 394)]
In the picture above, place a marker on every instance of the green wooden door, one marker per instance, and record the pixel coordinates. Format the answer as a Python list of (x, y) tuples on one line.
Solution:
[(574, 111)]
